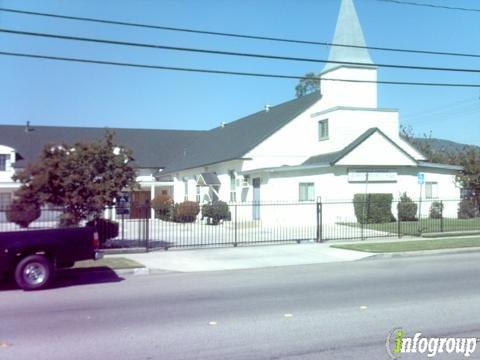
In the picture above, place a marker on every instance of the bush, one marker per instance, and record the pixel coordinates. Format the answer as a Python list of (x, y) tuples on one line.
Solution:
[(215, 212), (106, 229), (186, 211), (163, 206), (407, 209), (436, 210), (468, 209), (373, 208), (23, 214)]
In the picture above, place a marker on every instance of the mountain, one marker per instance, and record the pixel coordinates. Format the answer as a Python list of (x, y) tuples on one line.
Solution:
[(445, 145)]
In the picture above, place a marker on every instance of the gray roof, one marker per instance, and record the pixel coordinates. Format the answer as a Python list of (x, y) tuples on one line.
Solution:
[(348, 32), (151, 148), (333, 157), (235, 139), (210, 179), (174, 149)]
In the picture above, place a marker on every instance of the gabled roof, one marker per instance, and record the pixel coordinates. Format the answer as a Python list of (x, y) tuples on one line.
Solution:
[(348, 32), (151, 148), (233, 140), (206, 179), (333, 157)]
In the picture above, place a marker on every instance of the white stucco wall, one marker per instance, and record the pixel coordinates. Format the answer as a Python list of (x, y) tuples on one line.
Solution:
[(6, 176)]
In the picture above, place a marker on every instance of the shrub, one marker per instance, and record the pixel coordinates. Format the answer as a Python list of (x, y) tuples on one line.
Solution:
[(407, 209), (163, 206), (436, 210), (106, 229), (23, 214), (373, 208), (186, 211), (215, 212), (468, 209)]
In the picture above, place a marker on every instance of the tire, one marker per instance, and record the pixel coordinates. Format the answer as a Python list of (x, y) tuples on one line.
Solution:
[(33, 272)]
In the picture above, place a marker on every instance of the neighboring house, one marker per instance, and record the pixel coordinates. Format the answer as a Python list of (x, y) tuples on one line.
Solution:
[(152, 150), (330, 144)]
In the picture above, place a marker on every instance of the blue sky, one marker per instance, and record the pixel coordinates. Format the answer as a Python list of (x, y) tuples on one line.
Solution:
[(55, 93)]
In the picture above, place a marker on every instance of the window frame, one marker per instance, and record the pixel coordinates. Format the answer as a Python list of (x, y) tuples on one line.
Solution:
[(4, 162), (433, 192), (304, 193), (324, 134)]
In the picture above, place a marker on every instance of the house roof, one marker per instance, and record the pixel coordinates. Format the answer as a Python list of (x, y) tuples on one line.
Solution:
[(208, 179), (151, 148), (348, 32), (171, 149), (233, 140)]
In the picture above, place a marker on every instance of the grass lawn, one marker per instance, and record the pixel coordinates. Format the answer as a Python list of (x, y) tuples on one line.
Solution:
[(114, 263), (425, 226), (400, 246)]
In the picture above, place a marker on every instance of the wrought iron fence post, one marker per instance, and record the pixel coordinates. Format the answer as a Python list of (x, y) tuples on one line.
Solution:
[(399, 223), (235, 227), (319, 221), (441, 216), (123, 226), (147, 220)]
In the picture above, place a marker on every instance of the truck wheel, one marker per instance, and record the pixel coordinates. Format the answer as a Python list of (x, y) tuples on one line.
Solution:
[(33, 272)]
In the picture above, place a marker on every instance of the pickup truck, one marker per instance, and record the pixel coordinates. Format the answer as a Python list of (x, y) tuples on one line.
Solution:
[(32, 256)]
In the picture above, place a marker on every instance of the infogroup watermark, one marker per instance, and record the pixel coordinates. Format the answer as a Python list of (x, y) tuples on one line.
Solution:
[(398, 343)]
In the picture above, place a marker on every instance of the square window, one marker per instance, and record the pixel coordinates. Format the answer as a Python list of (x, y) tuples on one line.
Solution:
[(323, 129), (306, 192), (4, 158), (431, 190)]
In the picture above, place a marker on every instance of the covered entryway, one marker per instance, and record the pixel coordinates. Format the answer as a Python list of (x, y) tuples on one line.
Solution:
[(140, 205), (208, 186)]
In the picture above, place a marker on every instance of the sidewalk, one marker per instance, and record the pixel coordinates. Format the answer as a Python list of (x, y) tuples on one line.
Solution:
[(250, 257), (261, 256)]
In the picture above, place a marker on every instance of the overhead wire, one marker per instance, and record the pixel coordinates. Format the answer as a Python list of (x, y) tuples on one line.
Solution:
[(226, 72), (233, 53), (234, 35)]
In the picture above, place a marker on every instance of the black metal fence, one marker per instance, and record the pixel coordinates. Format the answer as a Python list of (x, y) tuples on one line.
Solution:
[(253, 223)]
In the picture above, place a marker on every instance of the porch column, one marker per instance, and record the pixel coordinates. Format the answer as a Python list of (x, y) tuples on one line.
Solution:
[(152, 195)]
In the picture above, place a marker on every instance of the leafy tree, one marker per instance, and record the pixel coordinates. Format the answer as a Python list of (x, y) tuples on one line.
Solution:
[(469, 178), (468, 157), (82, 178), (310, 83)]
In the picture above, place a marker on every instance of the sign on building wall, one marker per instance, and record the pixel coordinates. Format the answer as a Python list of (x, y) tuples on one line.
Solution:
[(372, 175)]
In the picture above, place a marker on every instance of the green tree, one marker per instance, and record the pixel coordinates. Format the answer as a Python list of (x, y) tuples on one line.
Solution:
[(468, 157), (310, 83), (82, 178), (469, 178)]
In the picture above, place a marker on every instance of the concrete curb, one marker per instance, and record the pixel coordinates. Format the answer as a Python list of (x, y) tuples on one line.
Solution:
[(422, 253), (142, 271)]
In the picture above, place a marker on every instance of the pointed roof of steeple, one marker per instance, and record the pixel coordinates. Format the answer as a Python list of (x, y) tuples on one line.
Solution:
[(348, 32)]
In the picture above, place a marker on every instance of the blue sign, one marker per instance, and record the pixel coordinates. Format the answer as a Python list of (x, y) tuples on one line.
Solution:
[(421, 178)]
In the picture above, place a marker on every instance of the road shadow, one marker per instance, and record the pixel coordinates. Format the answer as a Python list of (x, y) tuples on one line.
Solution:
[(73, 277)]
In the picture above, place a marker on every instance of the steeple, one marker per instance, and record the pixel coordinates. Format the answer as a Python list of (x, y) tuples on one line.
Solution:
[(348, 32)]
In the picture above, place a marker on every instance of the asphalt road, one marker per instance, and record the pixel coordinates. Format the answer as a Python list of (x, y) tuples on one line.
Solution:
[(326, 311)]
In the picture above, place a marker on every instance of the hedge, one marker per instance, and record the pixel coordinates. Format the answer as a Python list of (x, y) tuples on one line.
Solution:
[(373, 208), (407, 209), (215, 212)]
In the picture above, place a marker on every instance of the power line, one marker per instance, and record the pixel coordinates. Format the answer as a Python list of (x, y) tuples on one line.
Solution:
[(225, 72), (412, 3), (232, 53), (235, 35)]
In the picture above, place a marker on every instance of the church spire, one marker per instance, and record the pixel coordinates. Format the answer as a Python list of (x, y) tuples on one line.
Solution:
[(348, 32)]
